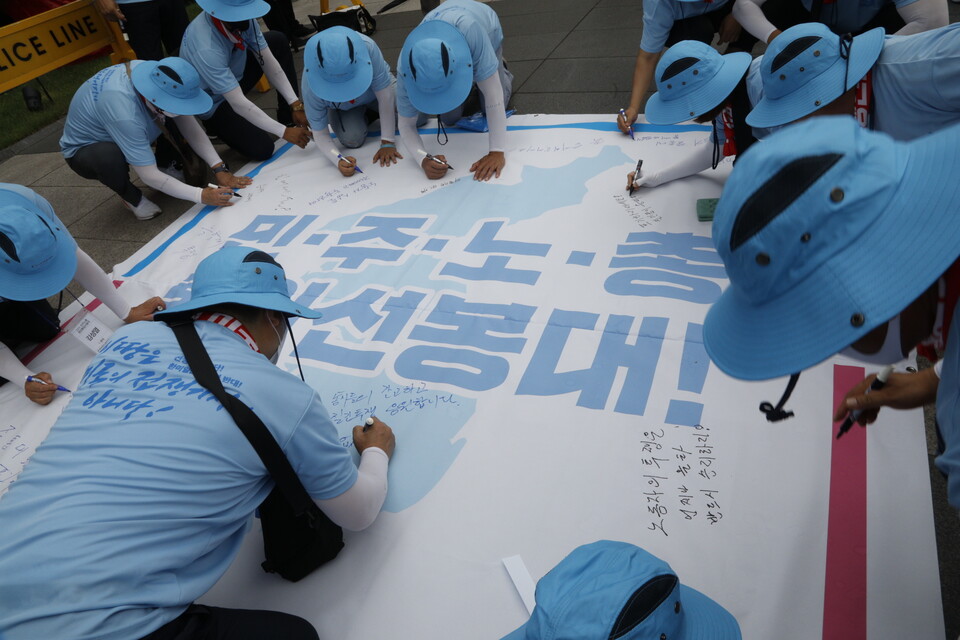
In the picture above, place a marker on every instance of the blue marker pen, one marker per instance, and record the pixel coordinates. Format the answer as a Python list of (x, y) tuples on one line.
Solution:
[(623, 114), (36, 379)]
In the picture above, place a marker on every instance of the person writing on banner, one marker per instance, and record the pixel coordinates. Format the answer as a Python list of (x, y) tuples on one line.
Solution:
[(39, 258), (695, 81), (231, 54), (150, 25), (452, 65), (345, 78), (767, 20), (904, 86), (667, 22), (142, 493), (116, 114), (822, 217)]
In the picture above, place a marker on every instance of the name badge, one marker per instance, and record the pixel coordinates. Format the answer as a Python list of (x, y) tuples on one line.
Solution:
[(90, 331)]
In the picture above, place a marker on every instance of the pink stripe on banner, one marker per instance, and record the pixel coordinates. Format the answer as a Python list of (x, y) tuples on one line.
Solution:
[(845, 589)]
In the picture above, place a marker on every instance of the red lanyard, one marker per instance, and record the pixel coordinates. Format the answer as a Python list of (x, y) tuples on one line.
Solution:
[(236, 40), (230, 323)]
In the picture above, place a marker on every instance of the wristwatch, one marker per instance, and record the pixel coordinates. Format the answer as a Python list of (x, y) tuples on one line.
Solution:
[(221, 168), (296, 105)]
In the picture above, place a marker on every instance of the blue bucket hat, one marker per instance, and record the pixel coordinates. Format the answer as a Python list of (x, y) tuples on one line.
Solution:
[(240, 275), (436, 66), (235, 10), (38, 256), (807, 67), (172, 84), (693, 78), (828, 230), (337, 64), (610, 589)]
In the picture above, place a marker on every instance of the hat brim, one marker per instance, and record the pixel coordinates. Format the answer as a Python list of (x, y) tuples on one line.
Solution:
[(711, 94), (337, 91), (905, 249), (200, 103), (822, 90), (54, 278), (228, 13), (460, 81), (273, 301), (704, 619)]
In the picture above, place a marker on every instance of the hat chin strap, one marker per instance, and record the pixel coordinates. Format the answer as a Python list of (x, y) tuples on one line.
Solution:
[(777, 413)]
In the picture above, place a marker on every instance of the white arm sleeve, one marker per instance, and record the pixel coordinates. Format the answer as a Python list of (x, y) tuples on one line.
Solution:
[(252, 113), (357, 507), (750, 16), (699, 160), (277, 77), (329, 148), (387, 106), (197, 138), (492, 92), (923, 15), (92, 278), (411, 139), (160, 181), (11, 368)]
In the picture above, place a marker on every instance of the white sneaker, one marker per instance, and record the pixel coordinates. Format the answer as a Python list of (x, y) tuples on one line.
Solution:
[(175, 171), (146, 210)]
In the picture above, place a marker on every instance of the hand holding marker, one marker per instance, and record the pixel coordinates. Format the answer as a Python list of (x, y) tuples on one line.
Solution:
[(353, 164), (623, 114), (877, 384), (439, 161), (36, 379), (636, 174)]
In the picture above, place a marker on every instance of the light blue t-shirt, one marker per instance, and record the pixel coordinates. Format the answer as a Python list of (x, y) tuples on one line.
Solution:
[(659, 16), (916, 83), (219, 62), (480, 26), (106, 108), (138, 500), (316, 107), (850, 16)]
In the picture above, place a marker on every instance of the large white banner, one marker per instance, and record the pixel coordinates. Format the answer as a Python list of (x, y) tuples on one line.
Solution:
[(535, 343)]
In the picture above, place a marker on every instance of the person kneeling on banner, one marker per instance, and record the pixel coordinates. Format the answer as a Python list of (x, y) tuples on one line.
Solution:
[(144, 490), (452, 65), (817, 228), (38, 258), (696, 82), (231, 54), (116, 114), (344, 74)]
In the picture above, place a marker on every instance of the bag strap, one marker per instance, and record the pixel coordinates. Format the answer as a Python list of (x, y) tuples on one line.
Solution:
[(250, 424)]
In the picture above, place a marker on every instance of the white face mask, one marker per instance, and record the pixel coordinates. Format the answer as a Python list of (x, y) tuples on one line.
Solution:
[(889, 353), (276, 354)]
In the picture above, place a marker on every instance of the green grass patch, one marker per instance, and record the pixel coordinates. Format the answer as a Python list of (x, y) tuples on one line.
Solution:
[(19, 122)]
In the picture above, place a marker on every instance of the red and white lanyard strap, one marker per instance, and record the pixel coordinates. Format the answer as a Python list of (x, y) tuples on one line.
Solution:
[(237, 41), (230, 323)]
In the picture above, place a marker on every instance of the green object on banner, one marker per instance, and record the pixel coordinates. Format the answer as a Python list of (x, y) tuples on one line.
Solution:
[(705, 208)]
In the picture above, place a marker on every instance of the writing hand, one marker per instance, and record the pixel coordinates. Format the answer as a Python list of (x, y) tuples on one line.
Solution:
[(347, 166), (902, 391), (488, 166), (217, 196), (39, 392), (145, 310), (376, 435), (643, 180), (433, 169), (624, 124)]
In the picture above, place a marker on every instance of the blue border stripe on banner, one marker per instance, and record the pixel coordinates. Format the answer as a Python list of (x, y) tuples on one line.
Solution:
[(595, 126), (200, 215)]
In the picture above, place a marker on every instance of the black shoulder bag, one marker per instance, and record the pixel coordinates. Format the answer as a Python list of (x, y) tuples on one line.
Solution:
[(297, 536)]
